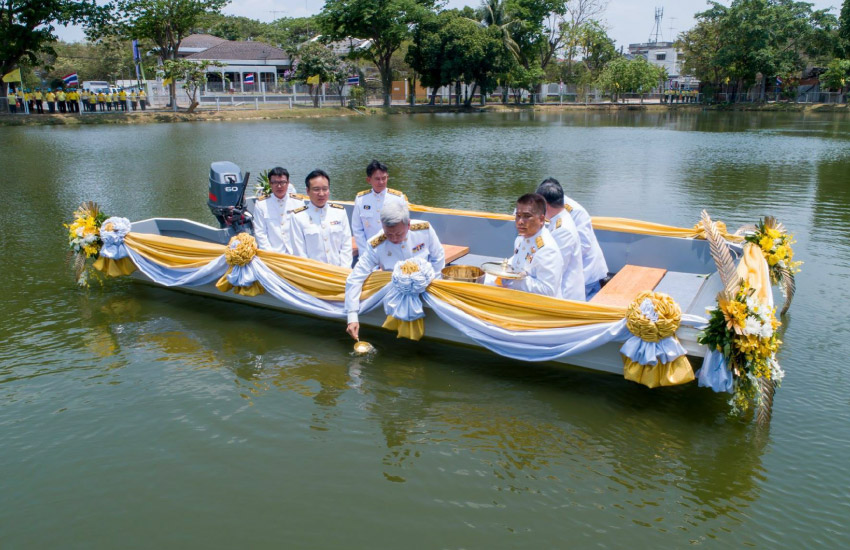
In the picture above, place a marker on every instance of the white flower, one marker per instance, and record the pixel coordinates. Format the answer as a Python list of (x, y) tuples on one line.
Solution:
[(766, 330), (752, 326), (121, 226), (776, 372), (79, 231)]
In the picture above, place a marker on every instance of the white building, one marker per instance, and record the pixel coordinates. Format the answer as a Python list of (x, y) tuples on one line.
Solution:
[(665, 54), (241, 58)]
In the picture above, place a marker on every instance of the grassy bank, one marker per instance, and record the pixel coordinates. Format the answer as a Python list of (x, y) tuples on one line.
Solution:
[(276, 113)]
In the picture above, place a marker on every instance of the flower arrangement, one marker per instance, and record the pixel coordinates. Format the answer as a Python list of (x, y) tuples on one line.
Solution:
[(84, 238), (241, 250), (263, 189), (775, 243), (744, 331)]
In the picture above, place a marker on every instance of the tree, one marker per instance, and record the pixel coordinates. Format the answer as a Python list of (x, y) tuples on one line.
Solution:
[(843, 43), (426, 53), (572, 27), (165, 22), (629, 76), (26, 28), (193, 74), (700, 47), (317, 61), (836, 75), (385, 22), (763, 37)]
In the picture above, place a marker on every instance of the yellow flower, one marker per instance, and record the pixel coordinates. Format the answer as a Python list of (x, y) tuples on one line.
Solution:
[(781, 251), (735, 313), (772, 259), (772, 233), (766, 244)]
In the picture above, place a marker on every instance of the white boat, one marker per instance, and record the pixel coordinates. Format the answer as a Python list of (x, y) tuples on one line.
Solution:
[(645, 324)]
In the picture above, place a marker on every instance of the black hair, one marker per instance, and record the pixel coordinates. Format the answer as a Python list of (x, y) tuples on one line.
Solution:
[(315, 174), (375, 165), (278, 171), (537, 202), (552, 192)]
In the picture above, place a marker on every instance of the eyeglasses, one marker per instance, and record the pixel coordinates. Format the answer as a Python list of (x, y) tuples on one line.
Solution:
[(278, 183)]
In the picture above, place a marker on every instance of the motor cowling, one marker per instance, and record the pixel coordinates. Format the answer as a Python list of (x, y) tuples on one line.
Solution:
[(227, 196)]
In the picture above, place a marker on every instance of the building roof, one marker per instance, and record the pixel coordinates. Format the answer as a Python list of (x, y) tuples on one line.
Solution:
[(229, 50), (203, 41)]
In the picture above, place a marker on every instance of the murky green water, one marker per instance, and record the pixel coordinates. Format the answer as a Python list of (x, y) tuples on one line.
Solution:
[(135, 417)]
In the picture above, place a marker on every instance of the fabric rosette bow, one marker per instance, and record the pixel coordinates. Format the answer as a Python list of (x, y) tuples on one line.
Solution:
[(241, 275), (114, 257), (653, 356), (402, 303)]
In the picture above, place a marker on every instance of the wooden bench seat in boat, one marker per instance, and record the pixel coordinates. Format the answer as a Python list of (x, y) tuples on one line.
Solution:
[(453, 251), (627, 284)]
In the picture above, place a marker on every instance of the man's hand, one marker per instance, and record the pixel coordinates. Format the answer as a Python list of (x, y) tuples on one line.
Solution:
[(353, 330)]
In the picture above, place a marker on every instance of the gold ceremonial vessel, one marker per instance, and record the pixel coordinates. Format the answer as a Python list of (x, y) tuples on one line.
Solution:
[(466, 273), (362, 348)]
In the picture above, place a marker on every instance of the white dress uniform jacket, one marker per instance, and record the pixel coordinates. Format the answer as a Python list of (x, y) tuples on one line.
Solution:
[(421, 241), (595, 267), (366, 216), (540, 257), (322, 234), (272, 222), (563, 230)]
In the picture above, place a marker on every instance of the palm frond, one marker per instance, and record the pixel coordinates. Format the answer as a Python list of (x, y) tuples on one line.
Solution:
[(744, 229), (788, 286), (720, 253), (772, 223), (766, 389), (79, 264)]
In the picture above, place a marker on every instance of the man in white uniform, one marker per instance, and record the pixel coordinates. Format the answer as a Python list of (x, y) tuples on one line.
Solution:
[(563, 230), (535, 251), (272, 214), (595, 267), (366, 217), (400, 239), (320, 229)]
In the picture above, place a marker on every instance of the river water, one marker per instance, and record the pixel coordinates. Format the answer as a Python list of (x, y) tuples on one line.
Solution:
[(136, 417)]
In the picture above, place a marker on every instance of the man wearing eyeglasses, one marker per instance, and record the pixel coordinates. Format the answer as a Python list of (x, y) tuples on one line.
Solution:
[(272, 214)]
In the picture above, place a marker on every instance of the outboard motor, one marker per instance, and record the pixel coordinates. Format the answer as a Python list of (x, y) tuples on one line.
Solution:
[(227, 197)]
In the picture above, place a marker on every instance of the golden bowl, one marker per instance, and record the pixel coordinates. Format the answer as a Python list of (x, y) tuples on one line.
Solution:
[(362, 348), (466, 273)]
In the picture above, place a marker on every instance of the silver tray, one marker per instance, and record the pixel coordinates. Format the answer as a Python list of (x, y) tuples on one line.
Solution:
[(498, 269)]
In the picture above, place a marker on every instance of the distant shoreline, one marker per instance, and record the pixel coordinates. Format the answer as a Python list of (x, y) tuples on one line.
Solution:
[(156, 116)]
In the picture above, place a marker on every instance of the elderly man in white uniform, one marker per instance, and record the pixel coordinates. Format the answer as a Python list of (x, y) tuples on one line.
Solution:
[(535, 251), (366, 216), (400, 239), (272, 214), (563, 230), (320, 229), (595, 267)]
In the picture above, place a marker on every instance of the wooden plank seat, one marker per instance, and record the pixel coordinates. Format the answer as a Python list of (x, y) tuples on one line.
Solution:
[(452, 251), (630, 281)]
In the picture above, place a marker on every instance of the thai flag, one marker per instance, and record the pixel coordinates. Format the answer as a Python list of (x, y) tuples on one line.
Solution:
[(249, 78), (353, 80), (71, 80)]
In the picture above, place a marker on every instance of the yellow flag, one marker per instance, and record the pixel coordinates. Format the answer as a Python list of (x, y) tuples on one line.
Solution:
[(313, 79), (166, 82), (14, 76)]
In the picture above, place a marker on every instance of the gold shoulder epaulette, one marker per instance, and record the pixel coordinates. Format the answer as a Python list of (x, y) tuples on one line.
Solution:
[(378, 240), (539, 242), (297, 210), (299, 196), (394, 192), (419, 226), (558, 223), (568, 207), (334, 205), (366, 192)]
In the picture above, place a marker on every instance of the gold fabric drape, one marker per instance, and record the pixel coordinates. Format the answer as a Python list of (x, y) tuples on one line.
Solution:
[(754, 270), (678, 371), (114, 268), (413, 330), (516, 310)]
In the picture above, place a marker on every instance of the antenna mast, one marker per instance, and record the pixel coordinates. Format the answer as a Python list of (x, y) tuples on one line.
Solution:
[(656, 29)]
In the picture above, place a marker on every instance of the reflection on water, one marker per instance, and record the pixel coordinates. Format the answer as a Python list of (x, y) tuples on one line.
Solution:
[(148, 405)]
